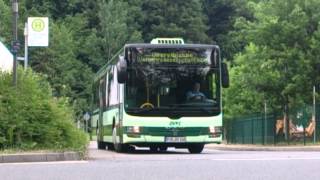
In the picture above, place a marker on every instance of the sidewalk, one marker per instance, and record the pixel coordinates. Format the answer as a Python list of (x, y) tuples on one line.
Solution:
[(242, 147), (39, 157)]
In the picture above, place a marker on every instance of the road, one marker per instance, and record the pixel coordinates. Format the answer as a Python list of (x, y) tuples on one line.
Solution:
[(174, 164)]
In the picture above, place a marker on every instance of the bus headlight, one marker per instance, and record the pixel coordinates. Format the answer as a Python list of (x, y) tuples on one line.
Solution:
[(133, 129), (215, 131)]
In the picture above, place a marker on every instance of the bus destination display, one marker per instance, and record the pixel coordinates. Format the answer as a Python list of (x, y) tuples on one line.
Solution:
[(177, 57)]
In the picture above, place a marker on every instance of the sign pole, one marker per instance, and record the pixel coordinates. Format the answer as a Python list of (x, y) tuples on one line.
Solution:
[(265, 122), (15, 43), (25, 46)]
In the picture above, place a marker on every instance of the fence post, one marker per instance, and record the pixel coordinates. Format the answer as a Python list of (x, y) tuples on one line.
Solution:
[(262, 129), (252, 129), (265, 122), (242, 133), (314, 115), (232, 131), (274, 128)]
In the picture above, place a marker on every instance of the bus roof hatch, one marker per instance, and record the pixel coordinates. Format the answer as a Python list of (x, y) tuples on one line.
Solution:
[(167, 41)]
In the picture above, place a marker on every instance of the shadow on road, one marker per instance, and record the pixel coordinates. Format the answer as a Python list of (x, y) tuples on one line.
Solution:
[(147, 151)]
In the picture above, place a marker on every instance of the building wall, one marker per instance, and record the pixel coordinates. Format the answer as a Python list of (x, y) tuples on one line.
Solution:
[(6, 58)]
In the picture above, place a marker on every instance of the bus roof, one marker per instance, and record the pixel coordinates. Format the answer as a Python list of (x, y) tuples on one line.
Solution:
[(177, 46)]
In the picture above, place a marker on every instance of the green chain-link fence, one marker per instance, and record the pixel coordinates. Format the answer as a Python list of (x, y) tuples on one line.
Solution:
[(254, 129), (269, 128)]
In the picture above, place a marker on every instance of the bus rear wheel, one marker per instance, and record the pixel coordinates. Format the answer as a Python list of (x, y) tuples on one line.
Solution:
[(110, 146), (195, 148), (101, 145)]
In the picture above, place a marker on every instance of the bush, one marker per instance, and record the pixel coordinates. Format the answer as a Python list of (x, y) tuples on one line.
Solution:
[(31, 118)]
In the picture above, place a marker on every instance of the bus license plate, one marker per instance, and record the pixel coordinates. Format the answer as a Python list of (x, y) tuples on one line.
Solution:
[(175, 139)]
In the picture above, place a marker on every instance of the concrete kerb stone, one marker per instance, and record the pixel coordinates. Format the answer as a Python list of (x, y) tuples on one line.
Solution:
[(55, 157), (40, 157), (71, 156), (261, 148), (23, 158)]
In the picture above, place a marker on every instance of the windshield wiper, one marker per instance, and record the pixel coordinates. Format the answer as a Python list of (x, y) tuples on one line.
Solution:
[(156, 109), (172, 109), (140, 110)]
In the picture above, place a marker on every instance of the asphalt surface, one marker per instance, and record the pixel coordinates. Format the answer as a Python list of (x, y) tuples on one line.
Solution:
[(174, 164)]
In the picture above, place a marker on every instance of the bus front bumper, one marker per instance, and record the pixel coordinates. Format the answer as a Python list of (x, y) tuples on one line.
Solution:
[(206, 139)]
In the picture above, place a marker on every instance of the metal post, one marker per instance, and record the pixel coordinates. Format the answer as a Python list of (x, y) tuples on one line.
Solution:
[(287, 122), (265, 121), (242, 132), (252, 131), (314, 115), (25, 46), (15, 44)]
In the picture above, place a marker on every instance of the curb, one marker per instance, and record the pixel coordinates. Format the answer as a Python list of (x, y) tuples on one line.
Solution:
[(260, 148), (40, 157)]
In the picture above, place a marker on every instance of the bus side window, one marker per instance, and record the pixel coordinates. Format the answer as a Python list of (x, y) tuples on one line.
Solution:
[(106, 97), (102, 94), (113, 87), (109, 88), (96, 97)]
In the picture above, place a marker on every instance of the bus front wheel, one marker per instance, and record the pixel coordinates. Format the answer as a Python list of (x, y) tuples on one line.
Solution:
[(195, 148), (118, 146)]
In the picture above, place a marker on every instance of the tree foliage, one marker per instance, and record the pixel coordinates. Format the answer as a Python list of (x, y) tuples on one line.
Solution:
[(280, 56), (179, 18), (222, 15), (5, 23)]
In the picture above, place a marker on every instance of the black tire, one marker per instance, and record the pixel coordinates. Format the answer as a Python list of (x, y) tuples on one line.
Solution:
[(154, 149), (110, 147), (195, 148), (163, 148), (131, 148), (101, 145), (118, 146)]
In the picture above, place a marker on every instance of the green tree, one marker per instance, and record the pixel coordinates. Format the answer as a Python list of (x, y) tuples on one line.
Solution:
[(281, 54), (112, 15), (222, 15), (54, 9), (135, 20), (179, 18), (5, 23)]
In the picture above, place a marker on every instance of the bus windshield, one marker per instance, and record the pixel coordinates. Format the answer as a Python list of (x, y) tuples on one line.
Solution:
[(172, 82)]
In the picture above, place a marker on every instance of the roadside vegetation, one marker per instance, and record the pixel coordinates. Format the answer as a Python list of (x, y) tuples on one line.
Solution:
[(32, 119)]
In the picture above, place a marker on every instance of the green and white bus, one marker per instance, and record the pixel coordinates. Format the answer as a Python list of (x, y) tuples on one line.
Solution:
[(141, 97)]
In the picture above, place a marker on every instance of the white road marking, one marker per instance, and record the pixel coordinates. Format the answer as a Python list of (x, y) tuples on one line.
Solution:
[(264, 159), (45, 163)]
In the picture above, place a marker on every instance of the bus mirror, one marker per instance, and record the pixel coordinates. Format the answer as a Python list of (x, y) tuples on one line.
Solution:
[(215, 59), (122, 70), (225, 75)]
